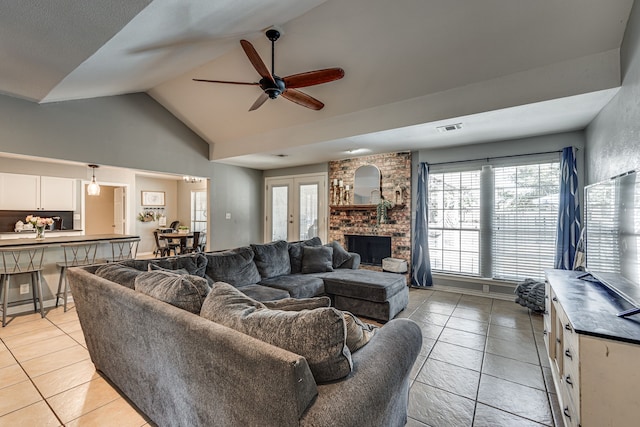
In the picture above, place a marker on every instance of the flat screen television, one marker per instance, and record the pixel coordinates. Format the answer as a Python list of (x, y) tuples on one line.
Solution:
[(612, 236)]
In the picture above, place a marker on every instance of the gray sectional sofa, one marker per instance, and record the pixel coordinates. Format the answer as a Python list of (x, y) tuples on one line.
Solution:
[(188, 349)]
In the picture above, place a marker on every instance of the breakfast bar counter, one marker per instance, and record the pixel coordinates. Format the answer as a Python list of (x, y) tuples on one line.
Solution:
[(53, 255), (59, 240)]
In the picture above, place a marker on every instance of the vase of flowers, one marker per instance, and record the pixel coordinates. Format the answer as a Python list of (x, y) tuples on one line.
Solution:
[(40, 224)]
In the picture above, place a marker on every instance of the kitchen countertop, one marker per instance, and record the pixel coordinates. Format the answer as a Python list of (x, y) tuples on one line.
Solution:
[(56, 241), (34, 230)]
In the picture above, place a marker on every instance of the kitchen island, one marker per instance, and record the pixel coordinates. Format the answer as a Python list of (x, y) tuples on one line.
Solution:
[(53, 254), (53, 240)]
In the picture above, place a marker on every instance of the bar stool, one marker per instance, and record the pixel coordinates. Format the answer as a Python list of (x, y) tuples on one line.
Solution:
[(21, 260), (75, 255), (123, 249)]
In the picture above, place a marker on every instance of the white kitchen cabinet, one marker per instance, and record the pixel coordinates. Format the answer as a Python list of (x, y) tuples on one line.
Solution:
[(19, 192), (32, 192), (57, 194)]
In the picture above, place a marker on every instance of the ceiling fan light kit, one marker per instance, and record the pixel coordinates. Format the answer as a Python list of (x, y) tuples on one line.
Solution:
[(274, 86)]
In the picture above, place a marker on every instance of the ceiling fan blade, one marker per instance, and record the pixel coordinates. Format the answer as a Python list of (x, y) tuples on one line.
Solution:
[(312, 78), (227, 82), (261, 100), (303, 99), (256, 61)]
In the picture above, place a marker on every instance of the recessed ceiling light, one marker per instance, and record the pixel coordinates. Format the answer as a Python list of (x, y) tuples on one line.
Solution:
[(450, 127), (281, 155)]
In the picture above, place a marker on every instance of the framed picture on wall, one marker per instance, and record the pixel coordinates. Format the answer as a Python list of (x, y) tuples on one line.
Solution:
[(153, 198)]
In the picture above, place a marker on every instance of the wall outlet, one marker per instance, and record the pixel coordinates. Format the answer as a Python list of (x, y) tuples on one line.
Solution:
[(227, 215), (24, 288)]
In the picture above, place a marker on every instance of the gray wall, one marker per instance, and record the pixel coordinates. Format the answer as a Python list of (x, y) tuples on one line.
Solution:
[(613, 138), (134, 131), (299, 170)]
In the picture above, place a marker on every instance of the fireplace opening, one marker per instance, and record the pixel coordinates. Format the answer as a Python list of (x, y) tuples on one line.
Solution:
[(372, 249)]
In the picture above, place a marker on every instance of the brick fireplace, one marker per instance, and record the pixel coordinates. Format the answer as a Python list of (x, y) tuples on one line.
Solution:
[(361, 220)]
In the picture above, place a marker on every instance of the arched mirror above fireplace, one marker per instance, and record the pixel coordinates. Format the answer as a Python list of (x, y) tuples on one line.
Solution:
[(366, 187)]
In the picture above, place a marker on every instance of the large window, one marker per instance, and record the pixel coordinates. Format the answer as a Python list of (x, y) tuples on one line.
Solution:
[(497, 222)]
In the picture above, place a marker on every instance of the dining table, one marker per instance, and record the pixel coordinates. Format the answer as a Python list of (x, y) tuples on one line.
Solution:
[(179, 236)]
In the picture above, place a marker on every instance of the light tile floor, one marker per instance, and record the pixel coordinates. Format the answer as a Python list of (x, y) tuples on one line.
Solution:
[(482, 364)]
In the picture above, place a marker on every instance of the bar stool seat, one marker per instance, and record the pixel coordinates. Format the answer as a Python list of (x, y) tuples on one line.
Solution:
[(123, 249), (75, 255), (21, 260)]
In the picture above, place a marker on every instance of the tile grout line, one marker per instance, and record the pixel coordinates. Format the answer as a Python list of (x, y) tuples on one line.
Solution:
[(32, 382)]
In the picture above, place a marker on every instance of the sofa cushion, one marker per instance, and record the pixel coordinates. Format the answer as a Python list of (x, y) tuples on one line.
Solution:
[(184, 291), (297, 285), (263, 293), (364, 284), (295, 253), (195, 264), (317, 259), (358, 332), (152, 267), (235, 267), (340, 255), (318, 335), (297, 304), (118, 273), (272, 259)]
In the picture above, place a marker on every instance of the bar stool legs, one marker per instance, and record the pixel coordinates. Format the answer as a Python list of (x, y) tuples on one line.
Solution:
[(63, 293), (36, 289)]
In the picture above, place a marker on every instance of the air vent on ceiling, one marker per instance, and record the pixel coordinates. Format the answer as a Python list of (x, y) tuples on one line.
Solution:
[(449, 128)]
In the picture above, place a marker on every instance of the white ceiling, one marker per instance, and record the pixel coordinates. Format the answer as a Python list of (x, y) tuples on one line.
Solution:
[(504, 68)]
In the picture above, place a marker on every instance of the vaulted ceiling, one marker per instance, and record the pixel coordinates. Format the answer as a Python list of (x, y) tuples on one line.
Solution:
[(503, 68)]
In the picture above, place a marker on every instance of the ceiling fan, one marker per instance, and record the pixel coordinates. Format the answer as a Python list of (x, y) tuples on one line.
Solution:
[(273, 86)]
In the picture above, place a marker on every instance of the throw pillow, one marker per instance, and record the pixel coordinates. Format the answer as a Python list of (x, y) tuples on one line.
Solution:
[(195, 264), (118, 273), (317, 259), (317, 335), (295, 253), (298, 304), (272, 259), (358, 332), (234, 267), (152, 267), (340, 255), (184, 291)]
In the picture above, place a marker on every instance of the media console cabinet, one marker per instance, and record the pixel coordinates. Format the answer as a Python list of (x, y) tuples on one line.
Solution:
[(594, 355)]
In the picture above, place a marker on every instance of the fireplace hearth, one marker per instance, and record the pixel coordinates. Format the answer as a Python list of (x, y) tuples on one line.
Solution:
[(372, 249)]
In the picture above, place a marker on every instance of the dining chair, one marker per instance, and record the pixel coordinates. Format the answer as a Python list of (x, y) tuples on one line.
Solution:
[(162, 247), (174, 225), (21, 260), (75, 255), (195, 243)]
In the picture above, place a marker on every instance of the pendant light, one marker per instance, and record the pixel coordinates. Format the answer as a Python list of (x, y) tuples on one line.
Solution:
[(93, 189)]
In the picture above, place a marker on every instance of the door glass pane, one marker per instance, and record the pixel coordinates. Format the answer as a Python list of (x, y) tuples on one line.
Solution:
[(308, 211), (279, 212), (199, 211)]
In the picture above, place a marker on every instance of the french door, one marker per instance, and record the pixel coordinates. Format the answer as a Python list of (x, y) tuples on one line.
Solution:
[(296, 208)]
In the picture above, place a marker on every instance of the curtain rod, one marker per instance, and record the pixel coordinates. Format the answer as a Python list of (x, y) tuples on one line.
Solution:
[(494, 158)]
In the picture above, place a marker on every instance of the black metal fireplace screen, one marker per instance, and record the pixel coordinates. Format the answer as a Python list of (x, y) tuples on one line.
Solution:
[(372, 249)]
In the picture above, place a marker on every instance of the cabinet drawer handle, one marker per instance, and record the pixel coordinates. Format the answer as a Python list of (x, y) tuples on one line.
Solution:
[(546, 297), (558, 340), (568, 354), (545, 332), (555, 299), (567, 327), (546, 312), (567, 379), (565, 411)]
